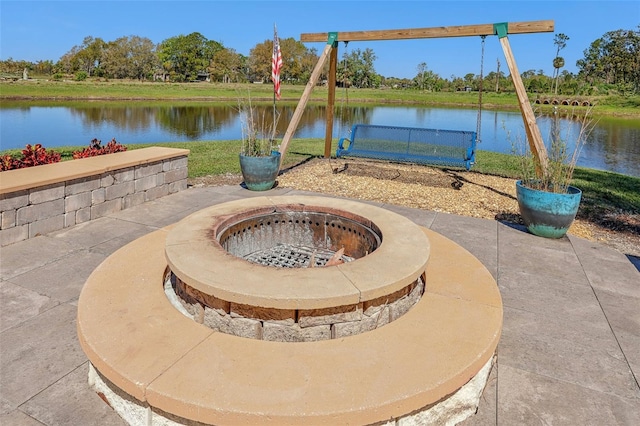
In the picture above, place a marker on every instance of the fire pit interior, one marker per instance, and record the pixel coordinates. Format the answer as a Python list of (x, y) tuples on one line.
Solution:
[(294, 239)]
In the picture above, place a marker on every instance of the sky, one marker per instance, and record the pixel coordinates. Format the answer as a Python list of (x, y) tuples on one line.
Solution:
[(46, 30)]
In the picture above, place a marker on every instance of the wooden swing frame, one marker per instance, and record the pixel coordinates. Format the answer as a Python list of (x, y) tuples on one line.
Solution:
[(536, 143)]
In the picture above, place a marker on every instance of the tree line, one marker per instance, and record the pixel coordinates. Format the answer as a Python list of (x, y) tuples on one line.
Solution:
[(610, 63)]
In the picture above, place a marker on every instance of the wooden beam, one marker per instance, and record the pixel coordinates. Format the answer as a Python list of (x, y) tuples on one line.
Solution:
[(297, 114), (331, 100), (434, 32), (536, 143)]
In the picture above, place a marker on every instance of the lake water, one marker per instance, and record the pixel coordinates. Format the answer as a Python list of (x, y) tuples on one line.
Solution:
[(614, 145)]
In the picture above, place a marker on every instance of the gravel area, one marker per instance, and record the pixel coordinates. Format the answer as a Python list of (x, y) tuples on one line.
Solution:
[(448, 191)]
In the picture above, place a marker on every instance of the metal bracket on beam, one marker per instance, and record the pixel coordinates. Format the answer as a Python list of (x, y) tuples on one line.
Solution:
[(501, 29), (333, 39)]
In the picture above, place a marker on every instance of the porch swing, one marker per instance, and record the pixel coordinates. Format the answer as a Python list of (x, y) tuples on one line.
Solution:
[(465, 155), (436, 147)]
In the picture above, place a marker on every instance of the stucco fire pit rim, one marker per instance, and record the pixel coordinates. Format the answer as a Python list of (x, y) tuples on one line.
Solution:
[(200, 261)]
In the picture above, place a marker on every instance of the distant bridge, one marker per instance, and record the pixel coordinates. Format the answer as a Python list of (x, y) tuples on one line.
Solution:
[(563, 101)]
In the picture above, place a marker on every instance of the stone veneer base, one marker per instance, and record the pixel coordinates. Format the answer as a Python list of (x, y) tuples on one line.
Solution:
[(451, 410)]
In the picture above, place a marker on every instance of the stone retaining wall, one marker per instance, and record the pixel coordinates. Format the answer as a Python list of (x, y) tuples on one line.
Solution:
[(28, 212)]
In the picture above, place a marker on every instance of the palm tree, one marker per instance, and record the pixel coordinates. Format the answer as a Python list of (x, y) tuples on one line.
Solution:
[(558, 62), (560, 40)]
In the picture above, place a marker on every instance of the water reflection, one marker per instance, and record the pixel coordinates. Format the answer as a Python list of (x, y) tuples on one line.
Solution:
[(613, 145)]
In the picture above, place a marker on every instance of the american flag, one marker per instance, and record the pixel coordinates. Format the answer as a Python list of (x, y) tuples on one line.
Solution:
[(276, 63)]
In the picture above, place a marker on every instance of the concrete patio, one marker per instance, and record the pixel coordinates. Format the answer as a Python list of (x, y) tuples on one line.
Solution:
[(569, 352)]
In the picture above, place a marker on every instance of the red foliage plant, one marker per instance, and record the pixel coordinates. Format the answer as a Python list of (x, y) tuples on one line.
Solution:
[(31, 156), (36, 155), (95, 148), (7, 162)]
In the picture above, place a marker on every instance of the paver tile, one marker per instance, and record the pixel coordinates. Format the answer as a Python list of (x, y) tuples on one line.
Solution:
[(517, 235), (553, 348), (70, 401), (623, 315), (421, 217), (153, 213), (63, 279), (95, 232), (521, 253), (525, 398), (18, 418), (18, 258), (608, 269), (544, 294), (18, 304), (37, 353), (478, 236)]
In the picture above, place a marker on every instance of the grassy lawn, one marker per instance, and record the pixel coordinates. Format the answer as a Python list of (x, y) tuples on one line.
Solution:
[(46, 90)]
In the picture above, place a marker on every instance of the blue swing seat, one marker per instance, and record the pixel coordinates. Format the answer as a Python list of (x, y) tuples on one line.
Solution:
[(449, 148)]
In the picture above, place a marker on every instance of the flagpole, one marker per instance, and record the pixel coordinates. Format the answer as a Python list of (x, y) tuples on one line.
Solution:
[(276, 63)]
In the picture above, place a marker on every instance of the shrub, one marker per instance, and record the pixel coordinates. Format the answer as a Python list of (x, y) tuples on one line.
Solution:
[(31, 156), (95, 148), (81, 75), (7, 162)]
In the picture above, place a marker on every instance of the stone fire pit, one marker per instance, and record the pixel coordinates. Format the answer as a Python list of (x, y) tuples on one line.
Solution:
[(291, 310)]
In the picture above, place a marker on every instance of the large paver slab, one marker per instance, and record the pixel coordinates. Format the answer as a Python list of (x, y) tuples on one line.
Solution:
[(510, 233), (245, 193), (554, 296), (18, 418), (623, 315), (154, 213), (607, 269), (519, 251), (525, 398), (38, 353), (557, 349), (70, 401), (16, 259), (421, 217), (18, 304), (99, 231), (63, 279), (201, 197), (478, 236)]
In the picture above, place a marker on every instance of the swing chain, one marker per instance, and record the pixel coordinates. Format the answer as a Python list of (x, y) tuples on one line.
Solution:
[(480, 87), (345, 92)]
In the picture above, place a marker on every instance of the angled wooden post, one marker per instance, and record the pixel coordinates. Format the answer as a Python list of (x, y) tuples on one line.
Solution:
[(536, 143), (331, 100), (297, 114)]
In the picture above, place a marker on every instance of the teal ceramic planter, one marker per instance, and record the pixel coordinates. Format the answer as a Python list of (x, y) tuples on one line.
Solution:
[(547, 214), (259, 173)]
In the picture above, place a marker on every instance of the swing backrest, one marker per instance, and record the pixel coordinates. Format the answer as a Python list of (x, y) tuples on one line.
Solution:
[(451, 148)]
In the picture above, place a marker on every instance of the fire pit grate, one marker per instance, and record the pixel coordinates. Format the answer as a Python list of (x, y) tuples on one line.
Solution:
[(290, 256), (290, 238)]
